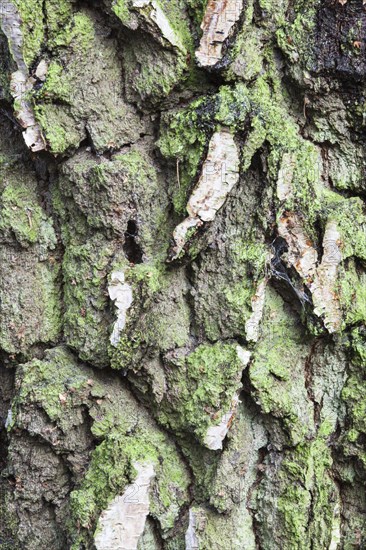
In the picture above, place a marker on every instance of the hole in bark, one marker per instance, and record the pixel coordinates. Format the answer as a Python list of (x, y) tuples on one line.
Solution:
[(131, 247)]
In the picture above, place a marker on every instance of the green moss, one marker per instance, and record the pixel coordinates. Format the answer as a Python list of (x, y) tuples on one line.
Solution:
[(358, 343), (275, 371), (56, 86), (351, 222), (246, 54), (74, 226), (176, 13), (100, 188), (78, 33), (353, 396), (47, 278), (58, 127), (22, 215), (86, 321), (205, 384), (134, 165), (57, 136), (306, 484), (273, 11), (238, 298), (32, 28), (122, 10), (253, 254), (152, 70), (197, 9), (58, 16), (125, 354), (233, 106), (36, 378), (351, 289), (155, 321), (247, 260), (224, 297), (167, 329), (263, 108), (184, 136), (149, 278), (304, 498), (111, 469), (293, 38)]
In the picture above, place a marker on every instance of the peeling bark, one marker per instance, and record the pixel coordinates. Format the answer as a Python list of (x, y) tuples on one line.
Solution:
[(21, 84), (122, 524), (320, 279), (218, 22), (121, 294), (220, 172)]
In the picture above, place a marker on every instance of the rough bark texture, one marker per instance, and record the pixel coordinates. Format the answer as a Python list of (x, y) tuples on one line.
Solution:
[(182, 274)]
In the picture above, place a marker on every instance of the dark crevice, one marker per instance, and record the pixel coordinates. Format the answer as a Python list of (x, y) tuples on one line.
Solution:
[(131, 247)]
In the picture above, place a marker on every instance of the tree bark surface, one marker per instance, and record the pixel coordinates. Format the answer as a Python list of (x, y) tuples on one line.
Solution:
[(182, 274)]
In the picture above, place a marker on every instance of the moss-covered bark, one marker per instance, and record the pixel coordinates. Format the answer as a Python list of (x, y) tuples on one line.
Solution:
[(182, 275)]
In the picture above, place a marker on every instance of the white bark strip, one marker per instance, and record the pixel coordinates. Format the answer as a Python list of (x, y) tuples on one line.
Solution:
[(285, 176), (123, 523), (191, 537), (21, 84), (220, 173), (258, 300), (326, 302), (121, 293), (217, 24), (321, 280)]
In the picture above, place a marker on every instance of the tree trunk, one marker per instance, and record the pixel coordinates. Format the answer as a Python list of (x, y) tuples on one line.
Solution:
[(182, 290)]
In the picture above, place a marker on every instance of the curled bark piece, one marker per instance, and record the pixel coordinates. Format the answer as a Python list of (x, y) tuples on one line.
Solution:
[(122, 524), (41, 70), (10, 23), (301, 253), (220, 173), (320, 279), (182, 233), (121, 293), (218, 22), (20, 87), (20, 83)]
